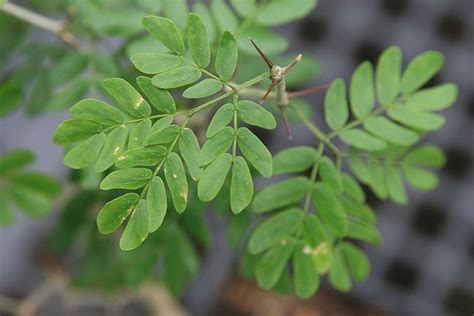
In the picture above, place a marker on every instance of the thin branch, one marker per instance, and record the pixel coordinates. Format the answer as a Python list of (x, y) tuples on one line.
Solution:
[(307, 91), (56, 27)]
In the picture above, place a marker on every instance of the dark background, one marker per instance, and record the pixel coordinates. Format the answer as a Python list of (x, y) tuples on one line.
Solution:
[(426, 263)]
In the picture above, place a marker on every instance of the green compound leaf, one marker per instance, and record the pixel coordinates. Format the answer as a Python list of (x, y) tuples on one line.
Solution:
[(388, 75), (353, 189), (204, 13), (243, 7), (127, 97), (421, 69), (395, 186), (391, 132), (255, 151), (166, 31), (71, 131), (274, 230), (114, 212), (284, 11), (177, 182), (33, 203), (294, 159), (336, 110), (423, 121), (10, 94), (362, 140), (156, 204), (141, 157), (190, 150), (164, 136), (426, 156), (203, 89), (15, 159), (216, 146), (134, 178), (420, 178), (221, 119), (254, 114), (38, 182), (357, 261), (68, 94), (339, 274), (227, 55), (139, 134), (329, 208), (433, 99), (68, 68), (213, 178), (362, 90), (198, 41), (306, 276), (96, 111), (358, 210), (226, 20), (313, 231), (271, 266), (330, 174), (137, 228), (364, 232), (177, 77), (358, 167), (281, 194), (377, 179), (161, 99), (270, 42), (85, 153), (176, 10), (153, 63), (241, 186), (113, 148)]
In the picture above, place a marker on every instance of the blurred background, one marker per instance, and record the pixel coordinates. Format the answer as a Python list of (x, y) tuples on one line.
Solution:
[(426, 263)]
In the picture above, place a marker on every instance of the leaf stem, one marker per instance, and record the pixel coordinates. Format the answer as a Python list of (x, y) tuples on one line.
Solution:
[(43, 22), (361, 120), (234, 144), (312, 179), (317, 132)]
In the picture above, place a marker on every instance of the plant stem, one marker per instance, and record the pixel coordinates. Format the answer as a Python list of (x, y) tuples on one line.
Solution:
[(312, 179), (234, 144), (317, 132), (43, 22)]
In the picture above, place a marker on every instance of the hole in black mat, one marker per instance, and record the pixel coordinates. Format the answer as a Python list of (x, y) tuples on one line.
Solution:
[(394, 7), (459, 301), (429, 219), (451, 27), (458, 162), (366, 50), (313, 29), (402, 275)]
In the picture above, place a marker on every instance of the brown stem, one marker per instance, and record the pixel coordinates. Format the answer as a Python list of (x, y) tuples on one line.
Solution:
[(307, 91)]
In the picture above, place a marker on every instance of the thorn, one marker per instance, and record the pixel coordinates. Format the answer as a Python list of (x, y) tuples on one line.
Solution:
[(270, 88), (262, 54), (294, 62), (285, 122)]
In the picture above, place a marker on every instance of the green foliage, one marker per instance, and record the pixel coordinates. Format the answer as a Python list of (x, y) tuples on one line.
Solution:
[(150, 151), (31, 191)]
